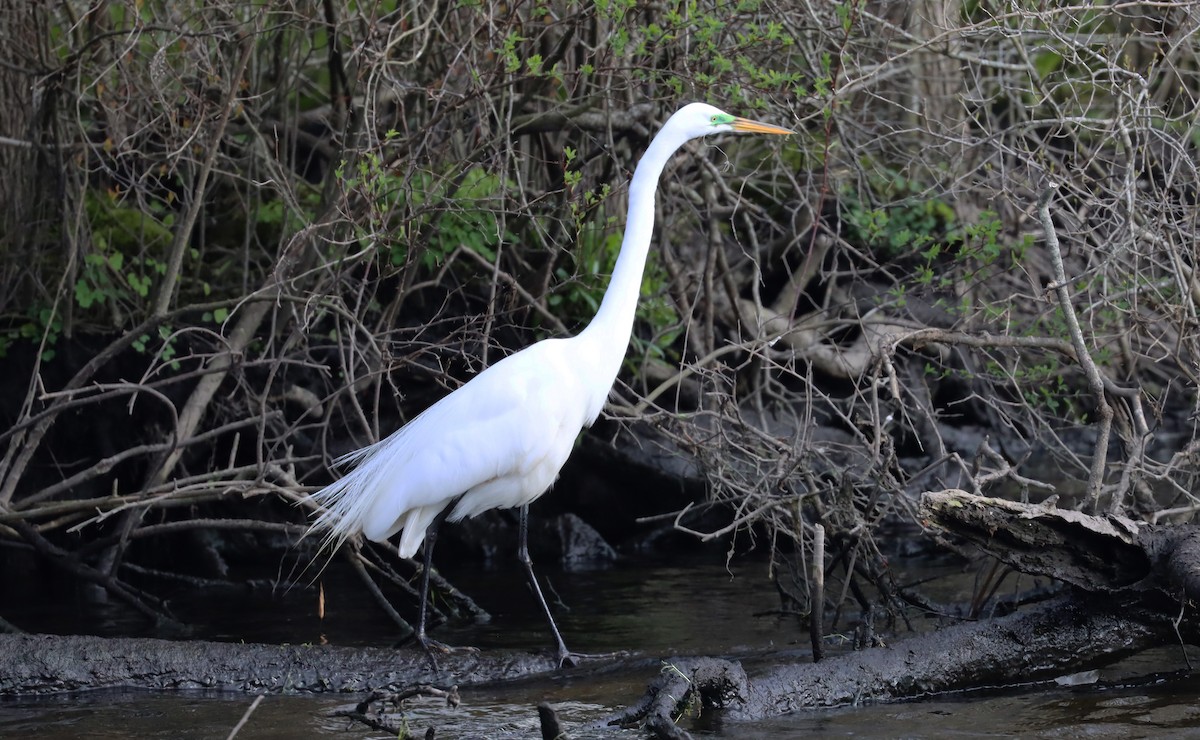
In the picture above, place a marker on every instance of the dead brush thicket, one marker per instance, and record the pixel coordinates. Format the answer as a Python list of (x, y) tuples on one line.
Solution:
[(247, 242)]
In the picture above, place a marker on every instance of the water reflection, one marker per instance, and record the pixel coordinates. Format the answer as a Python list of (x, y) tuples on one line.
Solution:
[(697, 608)]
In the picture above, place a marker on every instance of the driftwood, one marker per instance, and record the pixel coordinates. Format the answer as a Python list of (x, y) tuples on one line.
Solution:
[(1096, 554), (1127, 583), (1057, 638)]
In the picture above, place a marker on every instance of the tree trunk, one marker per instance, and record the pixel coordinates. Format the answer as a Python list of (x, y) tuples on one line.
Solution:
[(19, 77)]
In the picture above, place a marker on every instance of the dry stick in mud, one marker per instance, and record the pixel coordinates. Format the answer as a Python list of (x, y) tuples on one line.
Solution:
[(816, 612)]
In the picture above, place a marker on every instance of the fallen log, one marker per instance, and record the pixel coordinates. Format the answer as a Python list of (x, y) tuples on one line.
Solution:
[(1098, 554), (1124, 582), (1057, 638)]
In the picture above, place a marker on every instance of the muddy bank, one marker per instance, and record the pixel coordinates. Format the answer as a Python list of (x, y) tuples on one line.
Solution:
[(41, 664)]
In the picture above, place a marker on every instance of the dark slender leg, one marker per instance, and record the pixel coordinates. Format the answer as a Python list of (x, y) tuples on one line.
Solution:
[(564, 655), (427, 644), (431, 533)]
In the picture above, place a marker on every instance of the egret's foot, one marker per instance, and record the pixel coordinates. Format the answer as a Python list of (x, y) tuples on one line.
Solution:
[(428, 643), (568, 659), (433, 648)]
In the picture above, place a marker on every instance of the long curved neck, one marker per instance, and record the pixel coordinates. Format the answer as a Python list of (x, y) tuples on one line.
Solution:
[(613, 322)]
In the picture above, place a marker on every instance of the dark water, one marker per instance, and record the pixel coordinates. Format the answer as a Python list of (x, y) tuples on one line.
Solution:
[(701, 608), (1165, 710)]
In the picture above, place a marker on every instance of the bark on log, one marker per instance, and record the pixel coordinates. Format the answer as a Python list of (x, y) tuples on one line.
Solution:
[(1097, 554), (1064, 636)]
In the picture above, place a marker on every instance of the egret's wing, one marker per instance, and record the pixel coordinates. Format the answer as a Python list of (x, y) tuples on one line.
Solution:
[(489, 428)]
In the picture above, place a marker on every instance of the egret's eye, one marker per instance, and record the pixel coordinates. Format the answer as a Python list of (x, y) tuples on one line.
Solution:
[(715, 120)]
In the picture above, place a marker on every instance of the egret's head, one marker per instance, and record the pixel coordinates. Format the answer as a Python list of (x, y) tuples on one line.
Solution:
[(701, 119)]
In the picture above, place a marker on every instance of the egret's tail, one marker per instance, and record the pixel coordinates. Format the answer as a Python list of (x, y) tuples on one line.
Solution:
[(346, 502), (358, 502)]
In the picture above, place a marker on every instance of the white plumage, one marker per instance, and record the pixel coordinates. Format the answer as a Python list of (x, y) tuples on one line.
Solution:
[(498, 442)]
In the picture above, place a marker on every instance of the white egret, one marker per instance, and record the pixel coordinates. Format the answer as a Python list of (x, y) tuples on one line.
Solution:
[(500, 440)]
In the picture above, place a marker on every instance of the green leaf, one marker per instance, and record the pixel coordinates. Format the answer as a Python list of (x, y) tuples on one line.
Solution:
[(83, 294)]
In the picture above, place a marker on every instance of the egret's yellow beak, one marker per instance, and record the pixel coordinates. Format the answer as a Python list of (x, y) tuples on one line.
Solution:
[(745, 125)]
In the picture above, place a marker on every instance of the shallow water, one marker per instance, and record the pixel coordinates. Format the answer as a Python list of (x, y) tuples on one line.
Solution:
[(1163, 710), (700, 608)]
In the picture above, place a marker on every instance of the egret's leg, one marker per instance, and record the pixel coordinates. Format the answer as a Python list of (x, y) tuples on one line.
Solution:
[(564, 655), (431, 533), (427, 644)]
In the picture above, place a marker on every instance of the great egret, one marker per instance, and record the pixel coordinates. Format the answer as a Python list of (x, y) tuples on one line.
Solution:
[(500, 440)]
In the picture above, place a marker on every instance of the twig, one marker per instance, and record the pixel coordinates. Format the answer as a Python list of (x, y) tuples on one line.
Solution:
[(22, 446), (183, 492), (359, 713), (186, 525), (740, 521), (183, 235), (515, 285), (1095, 380), (354, 555), (242, 722)]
